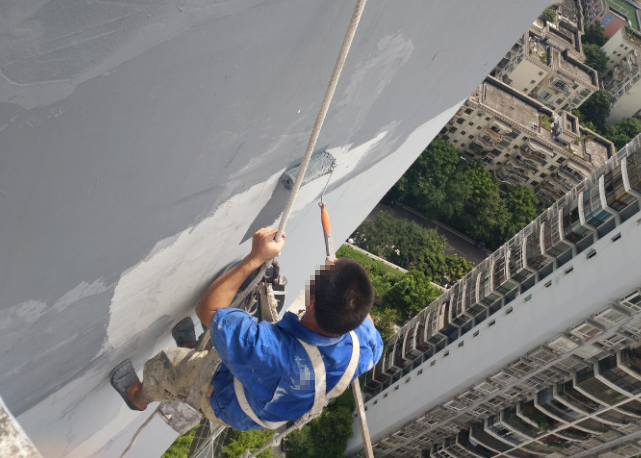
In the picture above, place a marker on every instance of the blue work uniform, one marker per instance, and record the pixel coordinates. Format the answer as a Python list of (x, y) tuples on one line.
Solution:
[(274, 367)]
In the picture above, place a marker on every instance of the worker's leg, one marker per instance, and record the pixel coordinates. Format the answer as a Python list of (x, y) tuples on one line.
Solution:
[(170, 373)]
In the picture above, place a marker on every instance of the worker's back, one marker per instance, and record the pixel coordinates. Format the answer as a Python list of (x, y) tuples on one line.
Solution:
[(274, 367)]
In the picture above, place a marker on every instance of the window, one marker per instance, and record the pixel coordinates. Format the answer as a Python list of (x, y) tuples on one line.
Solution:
[(463, 145), (540, 73), (471, 123), (560, 160), (455, 141), (496, 152), (543, 175), (453, 129), (479, 114), (513, 134), (525, 139), (535, 183), (621, 46), (468, 111), (460, 120), (471, 137), (479, 128), (463, 132), (446, 137), (533, 82), (487, 119), (525, 90), (551, 168), (504, 144), (559, 101)]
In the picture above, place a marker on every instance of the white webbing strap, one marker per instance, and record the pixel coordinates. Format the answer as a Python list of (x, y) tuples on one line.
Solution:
[(348, 375), (321, 398)]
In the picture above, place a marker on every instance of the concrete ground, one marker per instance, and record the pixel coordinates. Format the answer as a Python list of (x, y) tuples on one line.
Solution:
[(456, 243)]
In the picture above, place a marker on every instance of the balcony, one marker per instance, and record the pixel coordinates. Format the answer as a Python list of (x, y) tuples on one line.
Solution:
[(527, 163), (573, 175)]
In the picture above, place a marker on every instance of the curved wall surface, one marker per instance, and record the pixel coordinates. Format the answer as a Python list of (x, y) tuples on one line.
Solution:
[(142, 142)]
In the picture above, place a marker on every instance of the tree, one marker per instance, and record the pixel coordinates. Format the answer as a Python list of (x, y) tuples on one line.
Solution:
[(595, 57), (548, 15), (492, 217), (332, 430), (594, 35), (403, 243), (413, 293), (325, 436), (434, 184), (623, 133), (483, 184), (385, 319), (180, 447), (252, 440), (457, 268), (523, 206), (596, 109)]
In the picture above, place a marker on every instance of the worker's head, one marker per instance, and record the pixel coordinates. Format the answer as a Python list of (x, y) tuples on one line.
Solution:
[(342, 295)]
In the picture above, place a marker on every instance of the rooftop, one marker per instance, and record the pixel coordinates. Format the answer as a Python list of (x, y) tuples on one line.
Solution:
[(596, 147), (577, 69), (511, 106)]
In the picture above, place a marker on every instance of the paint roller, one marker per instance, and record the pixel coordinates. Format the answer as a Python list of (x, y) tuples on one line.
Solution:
[(320, 164)]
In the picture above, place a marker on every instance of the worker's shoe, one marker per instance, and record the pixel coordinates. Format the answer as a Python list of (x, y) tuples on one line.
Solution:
[(122, 377), (184, 333)]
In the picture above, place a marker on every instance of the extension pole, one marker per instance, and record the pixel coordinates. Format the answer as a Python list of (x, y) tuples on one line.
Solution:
[(356, 384)]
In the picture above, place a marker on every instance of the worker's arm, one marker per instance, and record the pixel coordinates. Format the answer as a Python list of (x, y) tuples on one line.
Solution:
[(222, 291)]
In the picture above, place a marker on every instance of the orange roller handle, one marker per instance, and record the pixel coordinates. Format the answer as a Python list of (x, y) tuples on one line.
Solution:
[(327, 231)]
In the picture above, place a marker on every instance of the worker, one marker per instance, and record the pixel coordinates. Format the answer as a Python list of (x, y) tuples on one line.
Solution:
[(270, 362)]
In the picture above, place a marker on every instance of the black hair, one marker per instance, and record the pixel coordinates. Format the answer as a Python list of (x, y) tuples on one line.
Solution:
[(343, 296)]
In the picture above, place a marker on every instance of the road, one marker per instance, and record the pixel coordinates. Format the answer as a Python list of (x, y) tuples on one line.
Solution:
[(456, 244)]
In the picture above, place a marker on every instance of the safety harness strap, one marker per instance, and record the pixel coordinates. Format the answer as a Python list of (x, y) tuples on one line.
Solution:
[(320, 376)]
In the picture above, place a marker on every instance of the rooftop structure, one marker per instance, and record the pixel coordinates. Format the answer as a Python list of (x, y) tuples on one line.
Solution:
[(537, 351), (547, 63), (524, 142)]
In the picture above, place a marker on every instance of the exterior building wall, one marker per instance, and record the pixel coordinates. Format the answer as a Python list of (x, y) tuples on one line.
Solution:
[(538, 351), (524, 152), (623, 79), (141, 145)]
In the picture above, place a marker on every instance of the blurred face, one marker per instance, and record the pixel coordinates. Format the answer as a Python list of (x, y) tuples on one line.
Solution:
[(327, 265)]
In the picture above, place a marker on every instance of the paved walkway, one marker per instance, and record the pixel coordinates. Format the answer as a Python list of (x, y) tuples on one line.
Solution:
[(456, 243)]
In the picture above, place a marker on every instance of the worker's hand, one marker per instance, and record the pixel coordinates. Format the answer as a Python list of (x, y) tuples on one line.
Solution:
[(264, 247)]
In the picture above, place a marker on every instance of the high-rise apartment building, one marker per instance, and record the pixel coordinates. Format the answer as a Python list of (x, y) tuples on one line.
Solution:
[(522, 141), (536, 352), (547, 63), (622, 79)]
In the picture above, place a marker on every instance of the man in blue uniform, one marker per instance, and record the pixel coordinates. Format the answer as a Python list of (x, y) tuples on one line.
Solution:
[(264, 373)]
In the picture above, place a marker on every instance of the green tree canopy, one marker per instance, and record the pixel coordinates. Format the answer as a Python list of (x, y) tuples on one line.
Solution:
[(594, 35), (548, 16), (327, 435), (434, 183), (623, 133), (403, 243), (596, 109), (384, 319), (413, 293), (457, 268), (595, 57), (523, 206), (252, 440)]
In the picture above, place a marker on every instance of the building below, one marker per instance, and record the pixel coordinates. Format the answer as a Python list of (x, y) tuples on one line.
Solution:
[(536, 352), (622, 78), (612, 15), (522, 141)]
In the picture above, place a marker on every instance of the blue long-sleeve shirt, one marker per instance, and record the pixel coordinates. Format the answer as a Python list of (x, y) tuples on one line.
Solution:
[(273, 366)]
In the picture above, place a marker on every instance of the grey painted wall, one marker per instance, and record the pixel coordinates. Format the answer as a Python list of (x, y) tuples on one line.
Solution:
[(141, 142)]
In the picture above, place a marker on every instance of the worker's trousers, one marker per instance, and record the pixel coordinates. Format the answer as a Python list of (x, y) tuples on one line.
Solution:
[(185, 374)]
